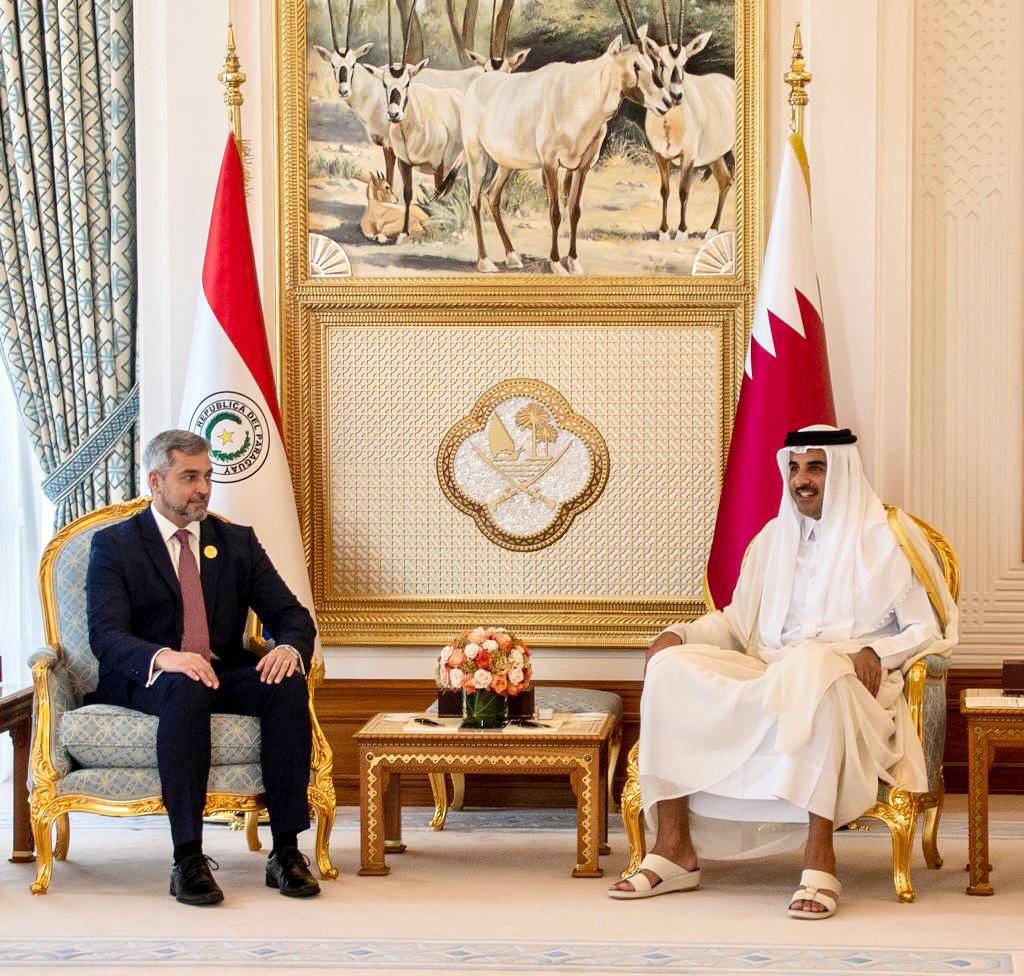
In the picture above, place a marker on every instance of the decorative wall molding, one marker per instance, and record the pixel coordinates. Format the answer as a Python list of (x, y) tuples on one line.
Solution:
[(967, 395)]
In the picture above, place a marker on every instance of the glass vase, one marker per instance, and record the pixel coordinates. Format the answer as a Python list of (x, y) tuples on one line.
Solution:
[(484, 710)]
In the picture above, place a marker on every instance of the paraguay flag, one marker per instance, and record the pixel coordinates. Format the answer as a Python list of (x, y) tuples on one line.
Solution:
[(786, 380), (230, 397)]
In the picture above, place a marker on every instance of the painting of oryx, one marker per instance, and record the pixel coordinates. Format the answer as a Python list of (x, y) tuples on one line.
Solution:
[(491, 137)]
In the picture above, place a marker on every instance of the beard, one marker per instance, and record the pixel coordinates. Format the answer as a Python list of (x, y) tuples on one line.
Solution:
[(190, 511)]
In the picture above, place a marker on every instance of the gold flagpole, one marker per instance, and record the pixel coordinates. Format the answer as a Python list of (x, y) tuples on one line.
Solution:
[(798, 78), (232, 78)]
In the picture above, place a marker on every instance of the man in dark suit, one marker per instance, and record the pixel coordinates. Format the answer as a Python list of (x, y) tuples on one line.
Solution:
[(168, 593)]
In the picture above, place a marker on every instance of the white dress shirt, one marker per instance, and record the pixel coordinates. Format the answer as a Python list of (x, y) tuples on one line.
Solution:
[(167, 530)]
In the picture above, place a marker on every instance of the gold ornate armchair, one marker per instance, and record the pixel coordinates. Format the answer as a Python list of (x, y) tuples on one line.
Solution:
[(925, 689), (102, 758)]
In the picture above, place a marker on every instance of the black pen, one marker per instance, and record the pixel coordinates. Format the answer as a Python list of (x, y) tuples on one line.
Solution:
[(428, 721)]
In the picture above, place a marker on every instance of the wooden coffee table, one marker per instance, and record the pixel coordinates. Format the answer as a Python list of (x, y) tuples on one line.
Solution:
[(992, 721), (388, 748)]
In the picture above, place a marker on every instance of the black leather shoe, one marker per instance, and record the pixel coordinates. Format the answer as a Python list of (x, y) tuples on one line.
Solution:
[(288, 871), (192, 882)]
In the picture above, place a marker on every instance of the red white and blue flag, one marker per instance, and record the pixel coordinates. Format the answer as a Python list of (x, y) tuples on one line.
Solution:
[(230, 397), (786, 380)]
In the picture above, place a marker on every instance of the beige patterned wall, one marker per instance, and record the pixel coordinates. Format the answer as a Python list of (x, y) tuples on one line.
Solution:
[(967, 334)]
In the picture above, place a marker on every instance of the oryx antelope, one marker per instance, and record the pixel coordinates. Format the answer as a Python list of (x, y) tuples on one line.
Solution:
[(425, 119), (361, 90), (384, 216), (556, 116), (700, 129), (358, 89)]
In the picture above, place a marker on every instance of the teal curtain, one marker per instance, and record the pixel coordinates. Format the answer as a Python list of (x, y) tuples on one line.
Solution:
[(67, 235)]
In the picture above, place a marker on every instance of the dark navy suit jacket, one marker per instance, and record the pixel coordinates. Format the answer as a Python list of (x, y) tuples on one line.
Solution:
[(135, 606)]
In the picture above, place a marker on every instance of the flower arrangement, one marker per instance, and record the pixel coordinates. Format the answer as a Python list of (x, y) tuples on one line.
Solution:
[(485, 659)]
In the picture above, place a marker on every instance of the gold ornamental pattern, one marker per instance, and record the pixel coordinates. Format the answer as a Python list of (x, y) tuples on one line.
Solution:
[(522, 464), (397, 563)]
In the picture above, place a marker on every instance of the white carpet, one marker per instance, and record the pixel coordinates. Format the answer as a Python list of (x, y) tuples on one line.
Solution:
[(492, 894)]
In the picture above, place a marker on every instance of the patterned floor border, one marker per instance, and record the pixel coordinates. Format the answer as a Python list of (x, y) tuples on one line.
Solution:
[(427, 956)]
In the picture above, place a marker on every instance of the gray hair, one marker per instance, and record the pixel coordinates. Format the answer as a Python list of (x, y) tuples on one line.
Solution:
[(157, 456)]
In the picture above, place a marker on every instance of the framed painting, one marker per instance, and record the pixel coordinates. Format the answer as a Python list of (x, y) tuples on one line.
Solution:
[(519, 245)]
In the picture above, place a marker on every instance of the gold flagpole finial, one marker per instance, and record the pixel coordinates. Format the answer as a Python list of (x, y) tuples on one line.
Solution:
[(798, 78), (232, 78)]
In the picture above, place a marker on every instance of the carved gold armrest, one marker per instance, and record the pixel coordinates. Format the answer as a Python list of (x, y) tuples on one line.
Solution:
[(918, 675), (43, 761)]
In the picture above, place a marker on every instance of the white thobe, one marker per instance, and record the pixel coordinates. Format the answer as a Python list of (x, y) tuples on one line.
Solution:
[(758, 740)]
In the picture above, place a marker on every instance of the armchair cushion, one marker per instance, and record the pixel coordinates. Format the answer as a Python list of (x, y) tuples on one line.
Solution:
[(139, 784), (109, 735)]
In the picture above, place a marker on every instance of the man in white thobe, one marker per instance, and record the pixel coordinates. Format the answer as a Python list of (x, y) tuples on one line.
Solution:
[(774, 719)]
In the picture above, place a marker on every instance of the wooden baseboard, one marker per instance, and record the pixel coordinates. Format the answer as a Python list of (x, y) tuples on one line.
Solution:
[(343, 705)]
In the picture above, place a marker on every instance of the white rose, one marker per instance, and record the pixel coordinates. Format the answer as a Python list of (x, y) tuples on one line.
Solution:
[(446, 652), (515, 676), (490, 645), (518, 659), (472, 650), (456, 676), (482, 679)]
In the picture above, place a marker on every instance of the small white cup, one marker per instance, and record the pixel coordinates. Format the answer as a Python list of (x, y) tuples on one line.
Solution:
[(545, 714)]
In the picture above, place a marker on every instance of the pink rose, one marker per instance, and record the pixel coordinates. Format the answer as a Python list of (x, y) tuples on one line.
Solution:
[(478, 636), (457, 658), (504, 641)]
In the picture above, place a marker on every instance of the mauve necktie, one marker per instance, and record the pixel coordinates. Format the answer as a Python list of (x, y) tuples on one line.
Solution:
[(195, 637)]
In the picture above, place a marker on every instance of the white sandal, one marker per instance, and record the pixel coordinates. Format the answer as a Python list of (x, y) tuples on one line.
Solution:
[(673, 878), (811, 885)]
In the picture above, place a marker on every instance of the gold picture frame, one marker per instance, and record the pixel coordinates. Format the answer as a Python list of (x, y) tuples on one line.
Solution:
[(314, 311)]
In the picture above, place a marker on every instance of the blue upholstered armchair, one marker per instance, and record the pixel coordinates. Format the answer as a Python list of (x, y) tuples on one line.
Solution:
[(925, 690), (102, 758)]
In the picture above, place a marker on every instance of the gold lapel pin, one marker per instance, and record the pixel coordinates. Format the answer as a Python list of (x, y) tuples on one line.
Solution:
[(210, 552)]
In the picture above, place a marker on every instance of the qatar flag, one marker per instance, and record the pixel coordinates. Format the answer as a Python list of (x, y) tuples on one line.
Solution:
[(786, 381), (230, 397)]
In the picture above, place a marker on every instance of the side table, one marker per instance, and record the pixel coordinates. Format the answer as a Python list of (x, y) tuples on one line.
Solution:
[(390, 746), (993, 720), (16, 718)]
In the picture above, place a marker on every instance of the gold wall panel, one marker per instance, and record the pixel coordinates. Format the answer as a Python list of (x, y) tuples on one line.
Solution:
[(375, 371)]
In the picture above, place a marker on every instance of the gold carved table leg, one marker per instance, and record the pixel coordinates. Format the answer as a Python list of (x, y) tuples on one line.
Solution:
[(393, 815), (439, 788), (589, 788), (371, 816), (605, 774), (978, 749)]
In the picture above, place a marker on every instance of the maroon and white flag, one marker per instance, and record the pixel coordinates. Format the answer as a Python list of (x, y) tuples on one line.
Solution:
[(230, 397), (786, 381)]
